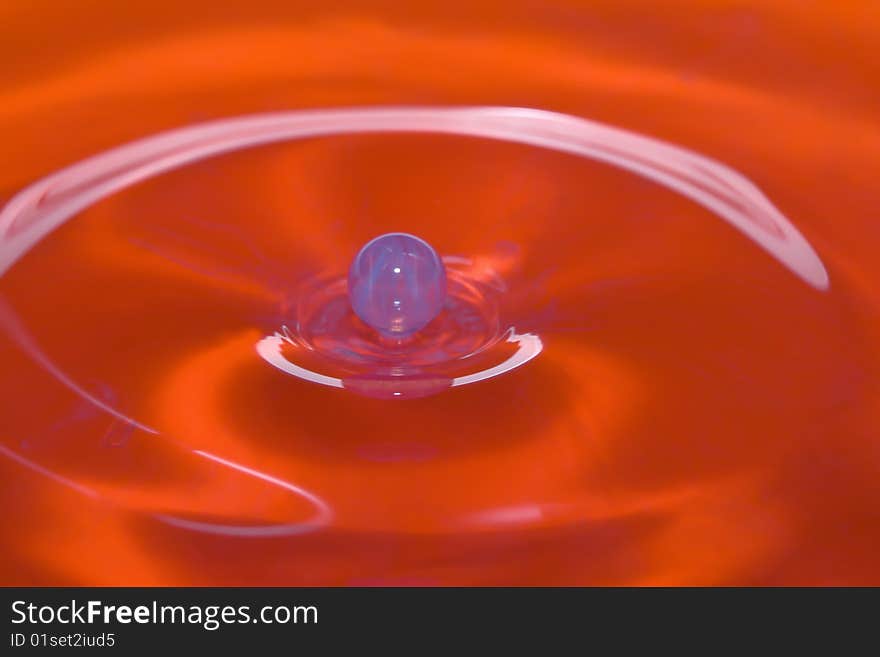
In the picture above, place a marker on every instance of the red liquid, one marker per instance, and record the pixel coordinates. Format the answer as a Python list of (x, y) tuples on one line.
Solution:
[(699, 415)]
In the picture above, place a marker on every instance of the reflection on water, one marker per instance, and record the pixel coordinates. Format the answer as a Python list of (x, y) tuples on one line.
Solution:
[(703, 405)]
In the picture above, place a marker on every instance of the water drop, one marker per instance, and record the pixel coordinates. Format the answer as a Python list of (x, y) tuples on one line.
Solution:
[(397, 284)]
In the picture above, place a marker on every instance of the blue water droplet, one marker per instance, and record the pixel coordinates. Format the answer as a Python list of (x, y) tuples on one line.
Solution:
[(397, 284)]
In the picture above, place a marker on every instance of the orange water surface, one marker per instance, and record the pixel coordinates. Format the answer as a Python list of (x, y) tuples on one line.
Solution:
[(699, 415)]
